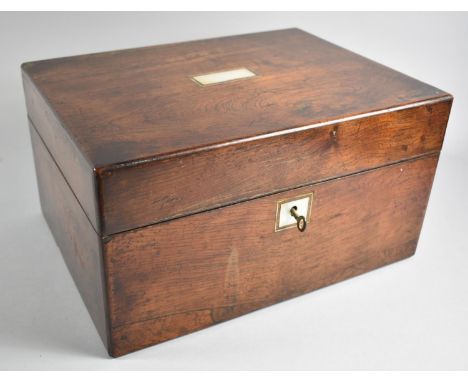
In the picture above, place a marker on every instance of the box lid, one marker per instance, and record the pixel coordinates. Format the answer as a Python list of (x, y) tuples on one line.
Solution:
[(138, 118)]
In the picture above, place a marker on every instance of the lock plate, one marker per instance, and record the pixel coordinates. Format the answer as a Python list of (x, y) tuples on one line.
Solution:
[(284, 219)]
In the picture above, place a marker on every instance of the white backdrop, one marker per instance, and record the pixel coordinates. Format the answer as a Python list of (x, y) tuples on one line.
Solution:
[(411, 315)]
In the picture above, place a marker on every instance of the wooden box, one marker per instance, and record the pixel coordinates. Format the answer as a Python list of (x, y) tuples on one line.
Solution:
[(170, 175)]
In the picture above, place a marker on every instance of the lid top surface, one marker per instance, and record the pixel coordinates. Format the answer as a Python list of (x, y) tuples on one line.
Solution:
[(136, 104)]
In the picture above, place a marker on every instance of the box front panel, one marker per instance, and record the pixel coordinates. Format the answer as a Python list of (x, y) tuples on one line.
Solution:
[(179, 186), (173, 278)]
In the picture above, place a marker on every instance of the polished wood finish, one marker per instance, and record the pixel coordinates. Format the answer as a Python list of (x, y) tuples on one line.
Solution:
[(137, 119), (206, 268), (174, 187), (161, 193), (80, 245), (136, 104), (77, 170)]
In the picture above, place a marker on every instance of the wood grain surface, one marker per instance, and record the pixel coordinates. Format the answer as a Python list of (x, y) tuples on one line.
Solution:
[(76, 169), (149, 193), (173, 278), (162, 193), (142, 103), (74, 235), (140, 142)]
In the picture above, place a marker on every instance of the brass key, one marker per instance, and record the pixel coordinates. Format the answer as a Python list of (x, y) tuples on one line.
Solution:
[(301, 221)]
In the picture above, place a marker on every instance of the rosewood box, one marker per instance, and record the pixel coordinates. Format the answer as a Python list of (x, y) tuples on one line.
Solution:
[(191, 183)]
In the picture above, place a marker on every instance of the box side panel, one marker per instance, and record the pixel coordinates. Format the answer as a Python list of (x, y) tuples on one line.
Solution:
[(73, 233), (136, 196), (176, 277), (78, 173)]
